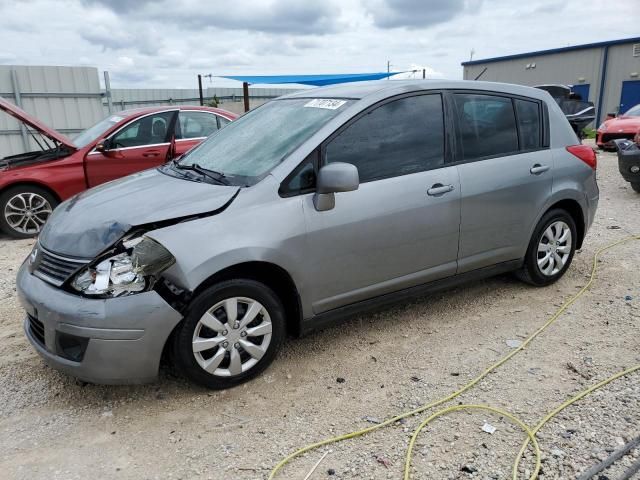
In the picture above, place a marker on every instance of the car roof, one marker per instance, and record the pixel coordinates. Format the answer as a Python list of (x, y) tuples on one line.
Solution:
[(145, 110), (361, 90)]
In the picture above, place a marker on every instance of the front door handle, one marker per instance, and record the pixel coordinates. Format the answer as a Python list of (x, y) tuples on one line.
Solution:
[(537, 169), (439, 189)]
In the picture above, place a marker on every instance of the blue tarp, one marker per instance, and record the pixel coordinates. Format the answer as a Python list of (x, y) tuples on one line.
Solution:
[(315, 80)]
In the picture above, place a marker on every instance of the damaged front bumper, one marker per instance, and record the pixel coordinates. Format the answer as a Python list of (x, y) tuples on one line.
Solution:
[(108, 341)]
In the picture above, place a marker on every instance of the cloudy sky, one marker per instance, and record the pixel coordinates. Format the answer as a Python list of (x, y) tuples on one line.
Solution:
[(166, 43)]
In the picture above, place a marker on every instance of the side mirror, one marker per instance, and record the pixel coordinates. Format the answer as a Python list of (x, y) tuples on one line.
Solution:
[(334, 178), (102, 145)]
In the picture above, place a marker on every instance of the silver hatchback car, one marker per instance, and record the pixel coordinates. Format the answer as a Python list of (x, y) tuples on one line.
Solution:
[(310, 208)]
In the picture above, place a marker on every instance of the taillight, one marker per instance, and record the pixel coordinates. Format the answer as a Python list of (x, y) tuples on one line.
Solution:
[(584, 153)]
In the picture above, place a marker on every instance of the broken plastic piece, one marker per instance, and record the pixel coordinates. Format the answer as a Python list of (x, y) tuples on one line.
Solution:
[(490, 429)]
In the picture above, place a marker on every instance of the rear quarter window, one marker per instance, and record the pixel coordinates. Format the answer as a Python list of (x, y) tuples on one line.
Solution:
[(529, 124)]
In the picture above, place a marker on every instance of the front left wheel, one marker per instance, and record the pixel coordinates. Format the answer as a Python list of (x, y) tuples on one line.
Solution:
[(232, 331)]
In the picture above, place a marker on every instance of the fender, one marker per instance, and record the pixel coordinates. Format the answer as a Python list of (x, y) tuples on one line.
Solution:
[(559, 196)]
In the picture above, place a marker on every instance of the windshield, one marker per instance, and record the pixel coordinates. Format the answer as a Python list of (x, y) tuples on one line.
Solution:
[(259, 140), (633, 111), (92, 133)]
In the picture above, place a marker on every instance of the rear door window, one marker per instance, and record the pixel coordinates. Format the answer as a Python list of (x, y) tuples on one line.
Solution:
[(487, 125), (529, 124), (196, 124), (398, 138)]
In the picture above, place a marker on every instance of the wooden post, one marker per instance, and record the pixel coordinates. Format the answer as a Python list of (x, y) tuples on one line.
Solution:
[(200, 90), (245, 94), (424, 73)]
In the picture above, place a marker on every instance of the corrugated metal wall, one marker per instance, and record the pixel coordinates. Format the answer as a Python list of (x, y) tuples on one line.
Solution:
[(69, 99), (65, 98), (230, 98)]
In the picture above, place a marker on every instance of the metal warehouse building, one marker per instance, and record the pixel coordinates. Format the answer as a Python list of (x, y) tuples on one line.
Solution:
[(605, 73)]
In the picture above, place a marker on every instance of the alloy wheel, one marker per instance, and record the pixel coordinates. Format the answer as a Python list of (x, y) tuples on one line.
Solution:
[(554, 248), (27, 212), (232, 336)]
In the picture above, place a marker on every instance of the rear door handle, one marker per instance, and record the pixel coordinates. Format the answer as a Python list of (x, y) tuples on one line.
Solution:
[(151, 154), (537, 169), (439, 189)]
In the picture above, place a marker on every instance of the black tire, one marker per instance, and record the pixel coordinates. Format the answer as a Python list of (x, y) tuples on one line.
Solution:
[(530, 271), (636, 187), (8, 194), (183, 347)]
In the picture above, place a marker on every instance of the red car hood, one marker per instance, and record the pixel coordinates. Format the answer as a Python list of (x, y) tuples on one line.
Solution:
[(34, 123), (625, 124)]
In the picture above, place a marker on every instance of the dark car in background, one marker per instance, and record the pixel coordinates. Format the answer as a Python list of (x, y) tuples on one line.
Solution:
[(32, 184), (579, 111), (629, 162)]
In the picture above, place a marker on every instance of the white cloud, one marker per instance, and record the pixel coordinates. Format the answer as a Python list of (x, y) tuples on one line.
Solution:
[(166, 43)]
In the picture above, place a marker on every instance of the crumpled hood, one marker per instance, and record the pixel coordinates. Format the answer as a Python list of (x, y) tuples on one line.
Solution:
[(92, 221)]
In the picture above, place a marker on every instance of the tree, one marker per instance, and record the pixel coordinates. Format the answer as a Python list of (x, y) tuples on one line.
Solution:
[(213, 102)]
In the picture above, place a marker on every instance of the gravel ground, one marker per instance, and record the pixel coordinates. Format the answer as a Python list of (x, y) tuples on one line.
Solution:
[(391, 361)]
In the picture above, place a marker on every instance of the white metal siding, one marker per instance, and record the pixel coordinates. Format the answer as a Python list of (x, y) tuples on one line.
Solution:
[(65, 98), (230, 98)]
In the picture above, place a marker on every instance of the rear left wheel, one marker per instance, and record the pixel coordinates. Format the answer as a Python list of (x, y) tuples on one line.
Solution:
[(24, 210), (550, 250), (231, 333)]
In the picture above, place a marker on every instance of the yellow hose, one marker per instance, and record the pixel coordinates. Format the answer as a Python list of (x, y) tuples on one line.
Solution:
[(564, 405), (530, 432), (531, 435)]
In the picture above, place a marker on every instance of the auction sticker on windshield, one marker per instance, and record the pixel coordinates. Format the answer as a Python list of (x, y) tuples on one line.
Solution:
[(328, 103)]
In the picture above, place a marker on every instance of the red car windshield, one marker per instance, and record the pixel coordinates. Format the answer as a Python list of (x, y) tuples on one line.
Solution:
[(93, 133)]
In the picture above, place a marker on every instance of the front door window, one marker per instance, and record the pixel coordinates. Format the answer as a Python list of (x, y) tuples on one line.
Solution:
[(149, 130)]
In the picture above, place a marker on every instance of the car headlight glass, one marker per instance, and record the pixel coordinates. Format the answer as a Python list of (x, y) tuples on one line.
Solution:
[(131, 271), (602, 127)]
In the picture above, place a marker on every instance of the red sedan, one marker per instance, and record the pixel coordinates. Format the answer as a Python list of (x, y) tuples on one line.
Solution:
[(624, 126), (33, 183)]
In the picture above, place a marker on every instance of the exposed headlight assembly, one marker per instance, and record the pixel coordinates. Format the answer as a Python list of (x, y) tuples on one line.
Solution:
[(126, 273), (602, 127)]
